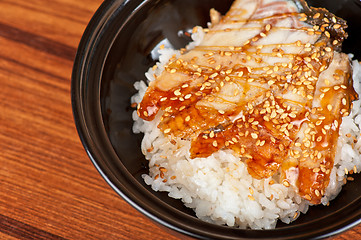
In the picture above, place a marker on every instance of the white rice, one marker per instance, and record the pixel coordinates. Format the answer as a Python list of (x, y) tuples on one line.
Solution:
[(219, 188)]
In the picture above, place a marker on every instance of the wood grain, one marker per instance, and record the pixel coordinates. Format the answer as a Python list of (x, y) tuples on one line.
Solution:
[(48, 187)]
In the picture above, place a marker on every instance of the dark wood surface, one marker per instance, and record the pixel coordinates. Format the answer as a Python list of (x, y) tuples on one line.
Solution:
[(48, 187)]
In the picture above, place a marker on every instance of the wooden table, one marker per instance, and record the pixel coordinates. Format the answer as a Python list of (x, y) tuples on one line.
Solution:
[(49, 189)]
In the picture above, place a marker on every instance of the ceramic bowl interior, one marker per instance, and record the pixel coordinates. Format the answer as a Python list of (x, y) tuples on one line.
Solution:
[(115, 51)]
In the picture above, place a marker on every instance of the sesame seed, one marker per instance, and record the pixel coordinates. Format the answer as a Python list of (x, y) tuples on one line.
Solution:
[(335, 122), (329, 107), (251, 197), (317, 193), (286, 183), (316, 170), (214, 75), (188, 96), (268, 27), (319, 122), (167, 130), (254, 135), (211, 134), (177, 92), (187, 118), (215, 144), (317, 15)]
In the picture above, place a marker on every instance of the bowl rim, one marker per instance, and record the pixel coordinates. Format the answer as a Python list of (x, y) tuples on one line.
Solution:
[(90, 39)]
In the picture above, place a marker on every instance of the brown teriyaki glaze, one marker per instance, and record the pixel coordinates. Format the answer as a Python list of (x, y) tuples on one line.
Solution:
[(287, 111)]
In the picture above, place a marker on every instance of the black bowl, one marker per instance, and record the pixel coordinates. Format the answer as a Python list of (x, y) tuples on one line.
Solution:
[(115, 51)]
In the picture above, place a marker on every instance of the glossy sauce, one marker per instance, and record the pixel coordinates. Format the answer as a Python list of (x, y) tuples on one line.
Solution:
[(262, 127)]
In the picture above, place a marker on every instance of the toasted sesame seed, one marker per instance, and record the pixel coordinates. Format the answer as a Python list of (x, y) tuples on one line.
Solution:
[(188, 96), (317, 15), (177, 92), (214, 75), (317, 193), (268, 27), (211, 134), (270, 82), (316, 170), (307, 197), (215, 144), (335, 122), (251, 197), (285, 183), (254, 135)]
